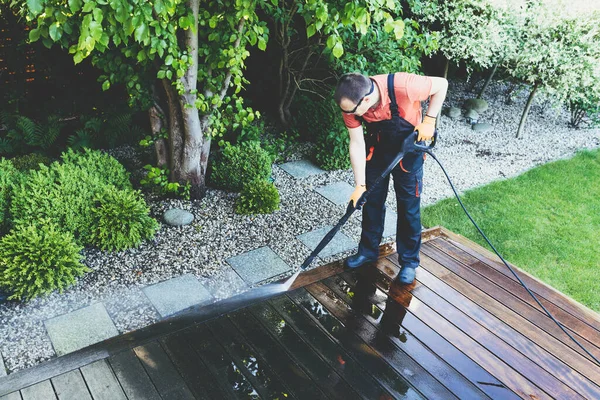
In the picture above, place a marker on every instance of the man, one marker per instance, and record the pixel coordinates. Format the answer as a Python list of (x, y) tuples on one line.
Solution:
[(390, 107)]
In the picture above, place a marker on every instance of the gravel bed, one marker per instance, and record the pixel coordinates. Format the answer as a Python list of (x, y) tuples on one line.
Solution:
[(217, 233)]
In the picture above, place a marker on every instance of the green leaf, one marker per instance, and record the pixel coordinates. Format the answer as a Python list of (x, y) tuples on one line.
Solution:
[(35, 6), (55, 32), (161, 74), (78, 57), (98, 15), (141, 32), (34, 35), (169, 60), (338, 50), (106, 85), (89, 6), (95, 30), (311, 30), (262, 44), (275, 2), (331, 41), (74, 5)]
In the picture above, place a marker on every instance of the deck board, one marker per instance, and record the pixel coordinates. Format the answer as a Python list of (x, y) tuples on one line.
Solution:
[(465, 329)]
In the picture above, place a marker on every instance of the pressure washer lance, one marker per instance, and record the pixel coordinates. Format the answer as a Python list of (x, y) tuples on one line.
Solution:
[(410, 145)]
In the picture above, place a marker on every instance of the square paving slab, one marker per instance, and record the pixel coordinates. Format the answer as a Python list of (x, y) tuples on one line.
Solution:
[(338, 244), (177, 294), (79, 329), (301, 169), (2, 368), (257, 265), (338, 193)]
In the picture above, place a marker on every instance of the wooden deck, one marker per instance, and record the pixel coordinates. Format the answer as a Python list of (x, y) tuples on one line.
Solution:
[(465, 329)]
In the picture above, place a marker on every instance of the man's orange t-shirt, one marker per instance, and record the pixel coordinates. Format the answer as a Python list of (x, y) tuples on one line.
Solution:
[(410, 90)]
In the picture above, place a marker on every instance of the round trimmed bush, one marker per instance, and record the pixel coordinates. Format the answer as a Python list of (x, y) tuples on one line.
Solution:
[(36, 260), (121, 219), (239, 164), (107, 168), (258, 197), (9, 175)]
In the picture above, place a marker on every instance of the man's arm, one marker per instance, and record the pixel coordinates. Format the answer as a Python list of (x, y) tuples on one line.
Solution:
[(358, 161), (439, 88)]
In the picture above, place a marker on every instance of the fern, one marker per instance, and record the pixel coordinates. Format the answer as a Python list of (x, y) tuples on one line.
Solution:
[(5, 146), (82, 138)]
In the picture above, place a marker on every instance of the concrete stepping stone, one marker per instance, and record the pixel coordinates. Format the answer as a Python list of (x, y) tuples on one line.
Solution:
[(338, 193), (176, 294), (338, 244), (257, 265), (226, 284), (79, 329), (301, 169)]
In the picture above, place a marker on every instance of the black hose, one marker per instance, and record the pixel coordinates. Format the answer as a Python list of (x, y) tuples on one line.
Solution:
[(505, 263)]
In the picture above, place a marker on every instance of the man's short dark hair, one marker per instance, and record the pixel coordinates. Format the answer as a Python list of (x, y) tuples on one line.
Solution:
[(353, 87)]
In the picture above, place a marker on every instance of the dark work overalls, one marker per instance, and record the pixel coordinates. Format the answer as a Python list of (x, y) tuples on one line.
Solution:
[(383, 142)]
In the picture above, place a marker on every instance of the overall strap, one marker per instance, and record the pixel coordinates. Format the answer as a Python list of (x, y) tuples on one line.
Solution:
[(392, 95)]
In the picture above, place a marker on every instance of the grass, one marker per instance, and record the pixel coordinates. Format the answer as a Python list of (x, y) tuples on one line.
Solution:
[(546, 221)]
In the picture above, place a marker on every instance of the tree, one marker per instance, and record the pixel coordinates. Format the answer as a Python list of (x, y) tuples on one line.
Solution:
[(183, 61), (556, 55)]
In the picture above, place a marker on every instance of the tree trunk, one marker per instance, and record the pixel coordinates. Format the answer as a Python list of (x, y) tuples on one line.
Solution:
[(488, 80), (446, 68), (526, 111), (160, 145)]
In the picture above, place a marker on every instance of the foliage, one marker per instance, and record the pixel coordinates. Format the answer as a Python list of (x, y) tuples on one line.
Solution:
[(258, 197), (239, 164), (380, 50), (38, 259), (538, 224), (9, 175), (472, 31), (23, 134), (30, 161), (121, 219), (64, 193), (157, 180), (280, 146), (322, 121)]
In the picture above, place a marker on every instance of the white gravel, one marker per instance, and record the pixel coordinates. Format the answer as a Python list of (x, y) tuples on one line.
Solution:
[(471, 159)]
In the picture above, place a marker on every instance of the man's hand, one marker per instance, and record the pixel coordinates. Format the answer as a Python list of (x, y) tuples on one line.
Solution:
[(426, 129), (358, 191)]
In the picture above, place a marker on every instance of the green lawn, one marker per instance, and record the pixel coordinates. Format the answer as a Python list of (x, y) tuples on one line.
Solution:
[(546, 221)]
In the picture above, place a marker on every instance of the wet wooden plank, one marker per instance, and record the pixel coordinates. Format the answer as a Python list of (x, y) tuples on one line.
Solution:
[(228, 375), (332, 351), (12, 396), (496, 364), (39, 391), (496, 334), (478, 289), (405, 333), (274, 354), (101, 381), (201, 382), (162, 372), (389, 378), (259, 373), (537, 345), (387, 362), (516, 289), (133, 378), (315, 366), (488, 257), (71, 386)]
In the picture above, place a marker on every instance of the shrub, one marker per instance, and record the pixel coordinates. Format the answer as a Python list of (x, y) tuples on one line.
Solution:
[(30, 161), (239, 164), (36, 260), (258, 197), (121, 219), (324, 120), (8, 176), (100, 164)]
